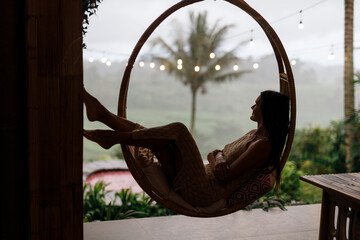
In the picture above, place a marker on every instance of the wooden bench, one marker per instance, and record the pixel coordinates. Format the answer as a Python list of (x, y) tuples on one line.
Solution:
[(340, 208)]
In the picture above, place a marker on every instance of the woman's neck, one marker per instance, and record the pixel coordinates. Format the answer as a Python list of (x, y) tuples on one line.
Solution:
[(261, 131)]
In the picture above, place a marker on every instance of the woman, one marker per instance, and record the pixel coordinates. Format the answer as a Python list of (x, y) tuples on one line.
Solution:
[(198, 184)]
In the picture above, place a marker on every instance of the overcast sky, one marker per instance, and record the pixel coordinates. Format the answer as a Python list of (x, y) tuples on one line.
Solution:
[(115, 29)]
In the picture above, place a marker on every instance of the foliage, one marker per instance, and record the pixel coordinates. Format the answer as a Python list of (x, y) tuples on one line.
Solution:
[(290, 184), (266, 203), (317, 150), (354, 123), (194, 51), (94, 206), (310, 193), (89, 8), (133, 205)]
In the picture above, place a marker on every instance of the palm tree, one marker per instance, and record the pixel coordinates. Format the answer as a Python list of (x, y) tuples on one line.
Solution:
[(349, 102), (189, 59)]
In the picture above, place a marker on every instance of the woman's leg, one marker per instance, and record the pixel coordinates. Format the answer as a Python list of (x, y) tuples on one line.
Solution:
[(163, 149), (95, 111), (108, 138)]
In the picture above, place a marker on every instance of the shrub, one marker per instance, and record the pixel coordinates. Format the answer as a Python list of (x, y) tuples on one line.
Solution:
[(132, 205)]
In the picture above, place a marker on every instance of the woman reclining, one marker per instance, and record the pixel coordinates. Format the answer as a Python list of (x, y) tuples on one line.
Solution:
[(173, 145)]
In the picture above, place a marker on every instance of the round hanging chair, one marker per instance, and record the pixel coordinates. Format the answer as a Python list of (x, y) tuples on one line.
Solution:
[(286, 85)]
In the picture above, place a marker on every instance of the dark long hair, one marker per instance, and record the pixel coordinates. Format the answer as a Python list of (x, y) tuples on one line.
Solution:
[(275, 111)]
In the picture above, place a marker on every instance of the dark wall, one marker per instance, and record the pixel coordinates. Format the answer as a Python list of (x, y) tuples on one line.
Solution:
[(13, 123)]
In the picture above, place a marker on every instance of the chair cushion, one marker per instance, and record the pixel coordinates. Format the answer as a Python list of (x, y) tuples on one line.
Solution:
[(253, 189)]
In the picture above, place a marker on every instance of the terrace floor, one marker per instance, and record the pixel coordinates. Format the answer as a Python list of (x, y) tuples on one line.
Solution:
[(297, 223)]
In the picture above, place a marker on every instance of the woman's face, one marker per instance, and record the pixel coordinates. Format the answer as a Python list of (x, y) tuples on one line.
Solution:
[(256, 113)]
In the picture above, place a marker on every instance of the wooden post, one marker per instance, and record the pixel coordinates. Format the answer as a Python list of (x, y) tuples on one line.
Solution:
[(54, 100)]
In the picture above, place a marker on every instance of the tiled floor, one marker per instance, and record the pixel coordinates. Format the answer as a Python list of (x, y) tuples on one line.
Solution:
[(298, 223)]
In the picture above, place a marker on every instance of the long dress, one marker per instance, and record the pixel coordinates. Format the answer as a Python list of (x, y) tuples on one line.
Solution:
[(195, 182)]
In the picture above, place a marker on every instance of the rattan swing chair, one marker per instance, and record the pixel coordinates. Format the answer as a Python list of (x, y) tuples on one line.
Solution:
[(287, 86)]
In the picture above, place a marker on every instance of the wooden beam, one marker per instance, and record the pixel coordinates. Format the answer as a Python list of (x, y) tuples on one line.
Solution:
[(54, 72)]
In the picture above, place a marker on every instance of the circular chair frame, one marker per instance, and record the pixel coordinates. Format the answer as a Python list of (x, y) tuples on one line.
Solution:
[(287, 86)]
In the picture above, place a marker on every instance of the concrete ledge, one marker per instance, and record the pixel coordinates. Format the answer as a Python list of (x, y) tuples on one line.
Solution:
[(298, 223)]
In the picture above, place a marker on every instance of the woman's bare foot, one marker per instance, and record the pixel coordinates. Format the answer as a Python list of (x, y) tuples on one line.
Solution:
[(101, 137), (94, 109)]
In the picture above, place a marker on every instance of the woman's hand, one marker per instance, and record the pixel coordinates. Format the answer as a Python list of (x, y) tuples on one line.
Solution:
[(211, 158), (215, 152), (221, 166), (221, 170)]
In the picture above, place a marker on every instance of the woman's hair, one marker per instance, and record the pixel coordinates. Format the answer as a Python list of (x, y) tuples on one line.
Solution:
[(275, 111)]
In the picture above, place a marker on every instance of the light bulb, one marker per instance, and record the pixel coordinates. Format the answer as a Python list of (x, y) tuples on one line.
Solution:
[(91, 59), (197, 68), (301, 25), (179, 66), (212, 55), (251, 43), (108, 63), (255, 65), (331, 55), (179, 61), (236, 67), (162, 67), (293, 62), (217, 67), (103, 59), (141, 64), (152, 65)]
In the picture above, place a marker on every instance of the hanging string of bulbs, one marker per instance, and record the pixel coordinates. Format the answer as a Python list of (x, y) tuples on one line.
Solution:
[(180, 64), (212, 55), (255, 65)]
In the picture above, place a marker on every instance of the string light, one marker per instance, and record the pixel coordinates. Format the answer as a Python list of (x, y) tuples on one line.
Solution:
[(162, 67), (197, 68), (282, 18), (212, 55), (108, 63), (293, 62), (246, 32), (217, 67), (141, 64), (179, 61), (251, 42), (301, 25), (103, 59), (331, 55), (152, 65)]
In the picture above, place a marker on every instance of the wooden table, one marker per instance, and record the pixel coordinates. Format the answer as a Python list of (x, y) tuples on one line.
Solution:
[(340, 208)]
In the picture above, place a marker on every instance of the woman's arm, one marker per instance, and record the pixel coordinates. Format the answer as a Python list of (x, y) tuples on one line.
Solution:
[(254, 157), (211, 158)]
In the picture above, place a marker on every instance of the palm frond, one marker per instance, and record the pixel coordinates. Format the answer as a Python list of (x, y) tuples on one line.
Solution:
[(218, 36), (164, 45)]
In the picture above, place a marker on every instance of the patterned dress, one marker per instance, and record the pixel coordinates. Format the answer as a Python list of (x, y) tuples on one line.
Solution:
[(195, 182)]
